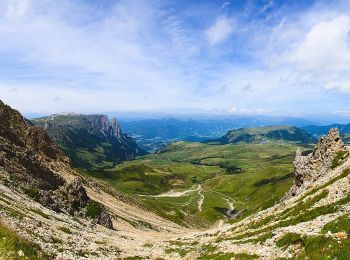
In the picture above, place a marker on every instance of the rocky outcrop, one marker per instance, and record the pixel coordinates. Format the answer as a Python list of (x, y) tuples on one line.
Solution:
[(76, 195), (30, 162), (328, 153), (95, 135), (104, 219)]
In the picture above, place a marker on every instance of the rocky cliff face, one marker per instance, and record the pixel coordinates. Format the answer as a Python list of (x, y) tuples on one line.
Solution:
[(90, 140), (329, 152), (30, 162)]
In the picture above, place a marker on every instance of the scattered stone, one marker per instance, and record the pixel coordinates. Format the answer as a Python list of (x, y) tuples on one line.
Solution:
[(341, 235), (20, 253)]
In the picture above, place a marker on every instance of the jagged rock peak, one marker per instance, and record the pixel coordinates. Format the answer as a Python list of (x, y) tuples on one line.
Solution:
[(310, 168), (327, 146), (101, 123)]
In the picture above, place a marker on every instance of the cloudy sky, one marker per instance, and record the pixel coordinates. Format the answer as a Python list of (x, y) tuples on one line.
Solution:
[(238, 56)]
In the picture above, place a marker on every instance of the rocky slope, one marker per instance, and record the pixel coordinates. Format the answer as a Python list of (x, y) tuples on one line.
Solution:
[(90, 140), (264, 135), (46, 206), (30, 162)]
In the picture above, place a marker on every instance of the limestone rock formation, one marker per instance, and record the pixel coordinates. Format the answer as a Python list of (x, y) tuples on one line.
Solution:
[(327, 154), (30, 162), (102, 140)]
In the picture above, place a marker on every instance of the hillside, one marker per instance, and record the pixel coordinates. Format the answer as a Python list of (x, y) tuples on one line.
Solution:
[(212, 182), (311, 222), (265, 135), (49, 211), (90, 141)]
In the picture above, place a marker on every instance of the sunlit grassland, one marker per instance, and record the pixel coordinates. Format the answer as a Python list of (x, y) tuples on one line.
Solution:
[(250, 176)]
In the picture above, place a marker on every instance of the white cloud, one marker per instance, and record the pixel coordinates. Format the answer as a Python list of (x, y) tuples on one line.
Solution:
[(118, 60), (220, 30), (136, 55), (342, 113), (250, 111), (325, 45), (342, 86)]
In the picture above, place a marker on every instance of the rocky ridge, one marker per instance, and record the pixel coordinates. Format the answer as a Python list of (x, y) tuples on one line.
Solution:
[(328, 153)]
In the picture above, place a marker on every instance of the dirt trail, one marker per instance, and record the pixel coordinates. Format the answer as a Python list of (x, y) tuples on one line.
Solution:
[(174, 194), (201, 198), (229, 203)]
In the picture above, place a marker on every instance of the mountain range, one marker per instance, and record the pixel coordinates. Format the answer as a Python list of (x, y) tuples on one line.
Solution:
[(319, 130), (153, 134)]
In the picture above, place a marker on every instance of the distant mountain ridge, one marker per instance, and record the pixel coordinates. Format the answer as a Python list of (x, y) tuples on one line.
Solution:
[(265, 134), (318, 131), (152, 134), (322, 130), (90, 140)]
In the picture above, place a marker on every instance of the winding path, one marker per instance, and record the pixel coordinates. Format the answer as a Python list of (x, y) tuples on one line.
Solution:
[(201, 198)]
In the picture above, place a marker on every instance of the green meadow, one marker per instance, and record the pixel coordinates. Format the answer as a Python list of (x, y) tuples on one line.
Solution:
[(222, 181)]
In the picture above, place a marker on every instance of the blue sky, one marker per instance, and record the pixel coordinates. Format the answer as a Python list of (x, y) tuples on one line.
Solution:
[(239, 57)]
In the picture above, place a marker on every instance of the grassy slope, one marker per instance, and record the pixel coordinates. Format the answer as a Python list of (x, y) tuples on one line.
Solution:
[(266, 134), (244, 173), (11, 244)]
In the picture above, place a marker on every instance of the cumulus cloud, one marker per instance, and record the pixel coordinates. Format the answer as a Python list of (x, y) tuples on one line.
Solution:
[(326, 44), (120, 51), (220, 30)]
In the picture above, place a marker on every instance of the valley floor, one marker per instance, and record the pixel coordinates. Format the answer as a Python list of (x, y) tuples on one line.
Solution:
[(283, 231)]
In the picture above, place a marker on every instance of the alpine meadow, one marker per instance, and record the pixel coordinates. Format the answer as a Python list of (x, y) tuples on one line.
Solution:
[(162, 129)]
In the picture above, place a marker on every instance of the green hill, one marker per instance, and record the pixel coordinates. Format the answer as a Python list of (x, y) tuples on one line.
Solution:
[(265, 135)]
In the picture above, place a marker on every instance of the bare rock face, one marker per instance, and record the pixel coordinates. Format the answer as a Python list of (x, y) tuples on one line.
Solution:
[(104, 219), (76, 195), (27, 153), (310, 168), (76, 133)]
